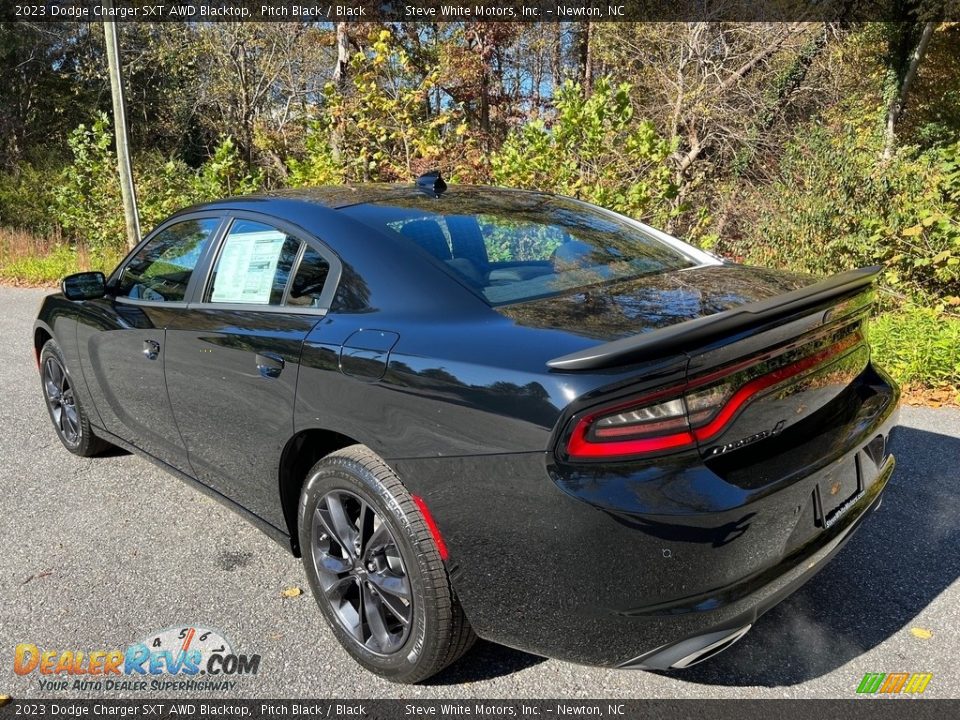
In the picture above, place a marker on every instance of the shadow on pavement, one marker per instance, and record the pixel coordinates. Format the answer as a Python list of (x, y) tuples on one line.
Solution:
[(114, 451), (485, 661)]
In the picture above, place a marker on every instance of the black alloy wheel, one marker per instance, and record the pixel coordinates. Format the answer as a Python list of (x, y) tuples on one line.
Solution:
[(61, 401), (362, 572), (376, 569), (66, 411)]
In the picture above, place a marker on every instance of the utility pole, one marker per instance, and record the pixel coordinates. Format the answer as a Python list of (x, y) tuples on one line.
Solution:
[(127, 190)]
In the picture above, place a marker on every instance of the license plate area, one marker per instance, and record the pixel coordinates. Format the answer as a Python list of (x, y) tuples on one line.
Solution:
[(838, 491)]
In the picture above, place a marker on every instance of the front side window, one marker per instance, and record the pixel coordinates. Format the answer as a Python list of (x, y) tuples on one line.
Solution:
[(253, 265), (161, 269)]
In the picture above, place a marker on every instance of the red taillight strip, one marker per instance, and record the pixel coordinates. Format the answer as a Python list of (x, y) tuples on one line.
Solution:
[(579, 447), (758, 385), (432, 527)]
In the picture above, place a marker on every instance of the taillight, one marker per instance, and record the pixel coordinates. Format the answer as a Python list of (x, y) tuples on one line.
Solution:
[(680, 417), (639, 427)]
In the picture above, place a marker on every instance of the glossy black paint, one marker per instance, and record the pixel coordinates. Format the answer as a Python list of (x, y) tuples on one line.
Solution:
[(592, 562)]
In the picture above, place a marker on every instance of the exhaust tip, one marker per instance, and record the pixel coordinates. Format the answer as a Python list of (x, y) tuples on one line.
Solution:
[(688, 652), (710, 650)]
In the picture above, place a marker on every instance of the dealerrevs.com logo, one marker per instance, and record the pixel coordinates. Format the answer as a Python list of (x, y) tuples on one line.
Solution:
[(176, 659)]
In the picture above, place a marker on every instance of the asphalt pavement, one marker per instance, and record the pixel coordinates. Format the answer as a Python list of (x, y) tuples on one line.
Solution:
[(99, 553)]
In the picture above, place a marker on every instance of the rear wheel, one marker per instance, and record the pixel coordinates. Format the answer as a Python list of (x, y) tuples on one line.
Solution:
[(375, 570), (69, 418)]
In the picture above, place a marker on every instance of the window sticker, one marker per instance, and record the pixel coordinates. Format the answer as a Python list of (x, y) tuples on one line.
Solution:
[(247, 266)]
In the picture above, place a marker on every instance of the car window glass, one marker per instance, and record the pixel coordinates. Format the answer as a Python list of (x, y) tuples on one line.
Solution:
[(308, 283), (161, 270), (509, 240), (512, 247), (253, 265)]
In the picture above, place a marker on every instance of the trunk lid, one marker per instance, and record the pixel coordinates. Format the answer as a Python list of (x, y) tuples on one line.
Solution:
[(756, 371), (624, 309), (774, 379)]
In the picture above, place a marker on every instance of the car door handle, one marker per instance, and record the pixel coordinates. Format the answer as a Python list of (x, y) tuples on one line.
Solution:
[(270, 365), (151, 349)]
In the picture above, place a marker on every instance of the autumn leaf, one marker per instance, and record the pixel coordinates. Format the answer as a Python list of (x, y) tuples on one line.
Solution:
[(922, 633), (292, 592)]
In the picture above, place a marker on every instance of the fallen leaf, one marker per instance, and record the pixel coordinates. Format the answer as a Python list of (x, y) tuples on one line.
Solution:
[(922, 633), (292, 592)]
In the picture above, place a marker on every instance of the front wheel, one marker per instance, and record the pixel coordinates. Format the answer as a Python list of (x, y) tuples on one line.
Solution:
[(69, 417), (375, 570)]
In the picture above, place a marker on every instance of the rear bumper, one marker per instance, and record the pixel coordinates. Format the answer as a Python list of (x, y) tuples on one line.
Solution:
[(648, 564), (705, 644)]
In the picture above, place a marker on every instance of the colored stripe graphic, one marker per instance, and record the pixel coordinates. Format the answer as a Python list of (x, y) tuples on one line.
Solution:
[(871, 682), (893, 683), (918, 682)]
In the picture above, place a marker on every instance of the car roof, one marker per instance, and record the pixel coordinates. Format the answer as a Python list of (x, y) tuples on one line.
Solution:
[(335, 197)]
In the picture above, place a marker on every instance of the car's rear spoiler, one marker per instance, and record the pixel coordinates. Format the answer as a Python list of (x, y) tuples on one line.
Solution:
[(698, 331)]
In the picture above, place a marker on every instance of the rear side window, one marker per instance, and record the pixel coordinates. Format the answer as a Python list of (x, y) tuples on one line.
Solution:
[(253, 266), (161, 269), (308, 283)]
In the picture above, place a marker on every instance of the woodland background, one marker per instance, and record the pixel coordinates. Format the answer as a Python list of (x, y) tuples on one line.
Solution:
[(810, 146)]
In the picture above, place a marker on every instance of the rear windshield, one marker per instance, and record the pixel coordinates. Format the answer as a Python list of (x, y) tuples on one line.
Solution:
[(513, 247)]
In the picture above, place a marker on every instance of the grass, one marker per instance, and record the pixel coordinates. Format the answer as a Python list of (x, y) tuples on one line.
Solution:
[(35, 260), (920, 347)]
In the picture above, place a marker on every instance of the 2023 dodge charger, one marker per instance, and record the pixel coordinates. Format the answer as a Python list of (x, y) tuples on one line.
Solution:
[(477, 411)]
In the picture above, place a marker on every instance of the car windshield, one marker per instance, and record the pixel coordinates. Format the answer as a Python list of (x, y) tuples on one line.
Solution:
[(515, 246)]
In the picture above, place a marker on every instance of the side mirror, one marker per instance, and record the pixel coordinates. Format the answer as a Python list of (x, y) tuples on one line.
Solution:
[(84, 286)]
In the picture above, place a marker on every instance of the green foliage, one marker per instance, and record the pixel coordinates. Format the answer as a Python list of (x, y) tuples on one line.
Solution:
[(318, 166), (596, 150), (225, 173), (377, 128), (87, 200), (26, 197), (920, 347), (834, 205)]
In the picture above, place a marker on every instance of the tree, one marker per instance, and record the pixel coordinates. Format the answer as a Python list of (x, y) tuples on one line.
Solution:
[(908, 46)]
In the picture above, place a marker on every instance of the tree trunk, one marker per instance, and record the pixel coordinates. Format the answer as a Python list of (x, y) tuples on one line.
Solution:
[(340, 80), (586, 57), (905, 79), (558, 58)]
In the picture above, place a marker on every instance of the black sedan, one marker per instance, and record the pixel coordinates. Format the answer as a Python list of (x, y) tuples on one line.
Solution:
[(486, 412)]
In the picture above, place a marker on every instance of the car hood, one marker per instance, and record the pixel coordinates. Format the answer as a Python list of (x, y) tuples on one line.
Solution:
[(625, 308)]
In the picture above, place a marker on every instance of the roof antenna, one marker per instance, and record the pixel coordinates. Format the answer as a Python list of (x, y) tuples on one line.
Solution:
[(432, 182)]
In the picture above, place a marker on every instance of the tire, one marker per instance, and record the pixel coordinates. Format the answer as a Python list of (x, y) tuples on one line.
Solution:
[(69, 417), (408, 562)]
